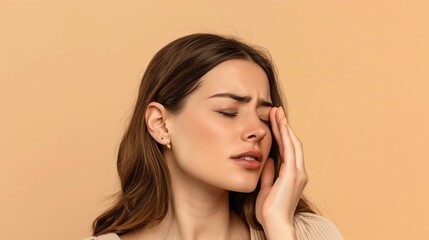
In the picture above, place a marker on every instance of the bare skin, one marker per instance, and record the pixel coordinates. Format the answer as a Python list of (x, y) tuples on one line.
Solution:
[(276, 203), (206, 136)]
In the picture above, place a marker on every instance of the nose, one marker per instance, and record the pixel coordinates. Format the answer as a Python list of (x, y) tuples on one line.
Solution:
[(255, 130)]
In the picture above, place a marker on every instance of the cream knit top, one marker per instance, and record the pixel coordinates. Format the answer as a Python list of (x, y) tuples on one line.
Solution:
[(308, 226)]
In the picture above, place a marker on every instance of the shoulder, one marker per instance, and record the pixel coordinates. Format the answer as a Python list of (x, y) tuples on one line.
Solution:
[(312, 226), (308, 226), (108, 236)]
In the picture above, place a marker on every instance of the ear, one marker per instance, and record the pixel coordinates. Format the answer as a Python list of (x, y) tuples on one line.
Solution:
[(155, 121)]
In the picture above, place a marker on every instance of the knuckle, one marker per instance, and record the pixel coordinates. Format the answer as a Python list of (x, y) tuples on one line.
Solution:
[(268, 212), (307, 179)]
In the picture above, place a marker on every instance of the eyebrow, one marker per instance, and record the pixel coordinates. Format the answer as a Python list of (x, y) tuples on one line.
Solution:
[(242, 99)]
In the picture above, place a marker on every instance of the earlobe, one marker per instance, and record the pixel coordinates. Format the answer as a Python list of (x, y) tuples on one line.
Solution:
[(155, 121)]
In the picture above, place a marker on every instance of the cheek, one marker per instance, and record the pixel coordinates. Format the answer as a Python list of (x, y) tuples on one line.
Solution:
[(266, 145), (199, 130), (200, 141), (269, 139)]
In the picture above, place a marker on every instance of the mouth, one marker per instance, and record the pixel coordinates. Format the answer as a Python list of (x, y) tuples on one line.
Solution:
[(252, 155), (250, 159)]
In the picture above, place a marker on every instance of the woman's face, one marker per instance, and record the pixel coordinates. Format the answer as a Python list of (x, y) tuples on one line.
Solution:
[(221, 138)]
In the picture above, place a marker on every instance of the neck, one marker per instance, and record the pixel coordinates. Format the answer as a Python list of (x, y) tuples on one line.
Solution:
[(200, 211), (199, 214)]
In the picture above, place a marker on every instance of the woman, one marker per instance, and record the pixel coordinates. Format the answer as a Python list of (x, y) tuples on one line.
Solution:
[(209, 154)]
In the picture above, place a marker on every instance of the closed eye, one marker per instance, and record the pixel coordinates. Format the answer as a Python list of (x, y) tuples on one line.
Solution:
[(266, 122), (228, 114), (235, 114)]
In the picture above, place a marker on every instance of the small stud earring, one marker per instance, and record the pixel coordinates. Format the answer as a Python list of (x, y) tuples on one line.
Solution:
[(169, 146)]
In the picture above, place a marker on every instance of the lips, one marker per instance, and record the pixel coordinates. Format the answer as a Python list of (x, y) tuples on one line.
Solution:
[(250, 160), (252, 155)]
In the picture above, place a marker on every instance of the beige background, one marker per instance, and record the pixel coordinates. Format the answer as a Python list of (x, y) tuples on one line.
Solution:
[(355, 74)]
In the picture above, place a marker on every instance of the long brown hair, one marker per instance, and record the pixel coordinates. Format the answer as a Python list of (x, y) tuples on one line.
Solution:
[(173, 73)]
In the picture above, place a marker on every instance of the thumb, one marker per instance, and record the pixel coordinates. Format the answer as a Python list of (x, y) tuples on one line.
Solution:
[(267, 175)]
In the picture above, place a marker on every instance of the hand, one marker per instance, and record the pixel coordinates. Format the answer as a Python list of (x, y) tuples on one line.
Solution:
[(276, 203)]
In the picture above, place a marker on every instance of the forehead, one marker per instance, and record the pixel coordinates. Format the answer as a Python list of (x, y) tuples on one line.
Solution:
[(238, 76)]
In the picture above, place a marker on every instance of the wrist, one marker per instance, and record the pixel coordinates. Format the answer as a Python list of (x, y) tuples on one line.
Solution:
[(280, 230)]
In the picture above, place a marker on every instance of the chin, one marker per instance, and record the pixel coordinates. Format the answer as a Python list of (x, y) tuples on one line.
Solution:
[(244, 185), (244, 190)]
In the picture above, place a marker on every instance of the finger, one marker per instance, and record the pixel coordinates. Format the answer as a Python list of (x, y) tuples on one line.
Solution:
[(275, 129), (299, 152), (289, 149), (267, 175)]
